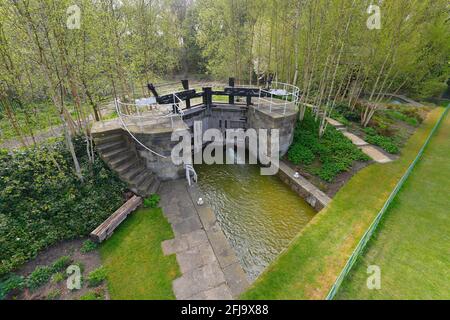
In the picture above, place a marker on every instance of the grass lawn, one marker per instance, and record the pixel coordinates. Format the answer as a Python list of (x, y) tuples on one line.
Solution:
[(411, 244), (137, 268), (308, 268)]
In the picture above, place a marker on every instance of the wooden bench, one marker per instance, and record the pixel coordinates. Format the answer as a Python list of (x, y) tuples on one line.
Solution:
[(106, 229)]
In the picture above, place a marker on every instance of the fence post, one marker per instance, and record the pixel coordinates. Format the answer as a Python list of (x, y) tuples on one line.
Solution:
[(231, 84), (185, 84), (207, 97)]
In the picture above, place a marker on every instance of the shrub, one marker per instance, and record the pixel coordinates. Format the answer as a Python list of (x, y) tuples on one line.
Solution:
[(43, 202), (61, 263), (300, 154), (93, 295), (38, 277), (54, 294), (88, 246), (58, 277), (385, 143), (96, 277), (11, 283), (334, 151), (152, 201)]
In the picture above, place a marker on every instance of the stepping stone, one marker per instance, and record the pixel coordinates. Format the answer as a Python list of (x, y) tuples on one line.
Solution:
[(334, 123), (196, 257), (236, 279), (198, 280), (187, 225), (375, 154), (355, 139), (174, 246)]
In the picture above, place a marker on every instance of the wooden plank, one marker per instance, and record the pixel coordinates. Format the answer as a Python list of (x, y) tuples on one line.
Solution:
[(105, 230)]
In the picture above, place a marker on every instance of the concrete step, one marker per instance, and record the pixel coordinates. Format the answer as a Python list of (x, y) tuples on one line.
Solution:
[(133, 176), (108, 138), (124, 157), (154, 187), (114, 154), (128, 166), (110, 146), (139, 178), (145, 185), (107, 133)]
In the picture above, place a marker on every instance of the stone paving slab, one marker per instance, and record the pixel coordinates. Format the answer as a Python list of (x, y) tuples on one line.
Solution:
[(209, 266), (236, 279), (375, 154), (357, 141), (198, 280), (334, 123)]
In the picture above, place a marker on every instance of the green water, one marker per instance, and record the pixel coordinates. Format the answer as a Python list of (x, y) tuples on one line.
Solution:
[(259, 215)]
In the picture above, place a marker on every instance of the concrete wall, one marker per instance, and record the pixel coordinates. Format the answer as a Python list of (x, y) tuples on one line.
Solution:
[(260, 119), (161, 143), (220, 116)]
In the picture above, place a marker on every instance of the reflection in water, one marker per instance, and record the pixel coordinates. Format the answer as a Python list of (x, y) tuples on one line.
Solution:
[(259, 215)]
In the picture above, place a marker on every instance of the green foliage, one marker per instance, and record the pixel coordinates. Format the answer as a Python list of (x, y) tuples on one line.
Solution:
[(38, 277), (152, 201), (402, 116), (93, 295), (334, 151), (299, 153), (61, 263), (88, 246), (58, 277), (10, 283), (54, 294), (43, 202), (96, 277), (386, 143)]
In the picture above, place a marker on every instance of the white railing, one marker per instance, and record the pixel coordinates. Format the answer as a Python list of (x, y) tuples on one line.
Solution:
[(279, 98), (135, 117), (190, 171)]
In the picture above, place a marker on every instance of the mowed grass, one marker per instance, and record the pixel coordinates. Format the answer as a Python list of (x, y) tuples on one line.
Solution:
[(412, 243), (309, 266), (136, 266)]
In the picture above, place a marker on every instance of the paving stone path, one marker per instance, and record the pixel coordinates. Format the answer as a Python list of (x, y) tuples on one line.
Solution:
[(372, 151), (210, 269)]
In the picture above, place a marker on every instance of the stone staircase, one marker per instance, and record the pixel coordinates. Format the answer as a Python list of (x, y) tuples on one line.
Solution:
[(120, 155)]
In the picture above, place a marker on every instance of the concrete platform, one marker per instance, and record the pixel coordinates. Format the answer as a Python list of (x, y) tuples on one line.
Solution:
[(209, 266)]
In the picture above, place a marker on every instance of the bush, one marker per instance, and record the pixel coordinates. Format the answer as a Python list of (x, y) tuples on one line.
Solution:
[(58, 277), (88, 246), (300, 154), (334, 151), (38, 277), (54, 294), (93, 295), (43, 202), (403, 116), (96, 277), (61, 264), (386, 143), (152, 201), (11, 283)]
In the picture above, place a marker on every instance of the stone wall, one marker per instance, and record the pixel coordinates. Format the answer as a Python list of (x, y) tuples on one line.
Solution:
[(260, 119), (161, 143)]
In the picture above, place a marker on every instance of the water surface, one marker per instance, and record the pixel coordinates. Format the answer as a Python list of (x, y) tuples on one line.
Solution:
[(259, 215)]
